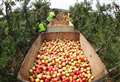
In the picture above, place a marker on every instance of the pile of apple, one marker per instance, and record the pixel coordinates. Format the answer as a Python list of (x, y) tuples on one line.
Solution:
[(61, 61)]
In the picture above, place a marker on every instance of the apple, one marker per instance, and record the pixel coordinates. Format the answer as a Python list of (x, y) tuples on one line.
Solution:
[(37, 80), (41, 80), (31, 79), (61, 61), (73, 80), (46, 80)]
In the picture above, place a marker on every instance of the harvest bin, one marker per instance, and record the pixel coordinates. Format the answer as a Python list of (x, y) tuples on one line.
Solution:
[(97, 67)]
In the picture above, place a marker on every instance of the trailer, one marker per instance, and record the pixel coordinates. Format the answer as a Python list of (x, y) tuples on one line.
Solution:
[(63, 32)]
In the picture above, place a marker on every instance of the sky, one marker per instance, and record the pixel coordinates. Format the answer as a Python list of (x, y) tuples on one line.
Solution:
[(65, 4)]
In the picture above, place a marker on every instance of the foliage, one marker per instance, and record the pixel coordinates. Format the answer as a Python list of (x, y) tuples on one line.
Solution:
[(101, 27), (17, 32)]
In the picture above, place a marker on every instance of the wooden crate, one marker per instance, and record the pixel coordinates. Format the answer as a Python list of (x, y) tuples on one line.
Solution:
[(98, 68)]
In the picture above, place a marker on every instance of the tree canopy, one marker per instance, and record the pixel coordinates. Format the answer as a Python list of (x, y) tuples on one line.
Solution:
[(17, 32), (101, 27)]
